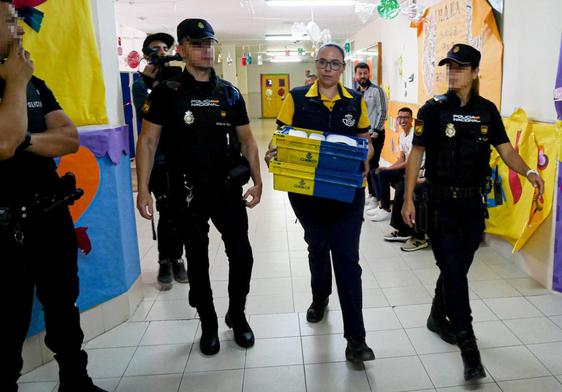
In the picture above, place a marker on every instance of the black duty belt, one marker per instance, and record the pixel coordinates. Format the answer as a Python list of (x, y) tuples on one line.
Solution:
[(14, 217), (451, 192)]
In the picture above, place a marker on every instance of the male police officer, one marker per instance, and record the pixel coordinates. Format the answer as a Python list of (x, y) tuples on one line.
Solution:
[(37, 237), (170, 245), (204, 127)]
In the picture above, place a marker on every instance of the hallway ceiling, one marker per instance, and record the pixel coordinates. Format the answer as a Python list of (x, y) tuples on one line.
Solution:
[(234, 23)]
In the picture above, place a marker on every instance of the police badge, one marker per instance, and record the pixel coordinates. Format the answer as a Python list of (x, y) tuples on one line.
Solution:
[(450, 131), (188, 117)]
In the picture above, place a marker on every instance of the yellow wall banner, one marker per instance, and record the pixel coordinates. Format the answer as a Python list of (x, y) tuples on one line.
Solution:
[(459, 21), (522, 212), (66, 57)]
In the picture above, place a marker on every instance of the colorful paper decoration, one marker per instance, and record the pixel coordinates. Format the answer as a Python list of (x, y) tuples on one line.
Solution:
[(133, 59), (388, 9), (26, 10)]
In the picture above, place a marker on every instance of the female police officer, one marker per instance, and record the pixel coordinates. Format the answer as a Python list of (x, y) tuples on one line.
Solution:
[(331, 226), (458, 129)]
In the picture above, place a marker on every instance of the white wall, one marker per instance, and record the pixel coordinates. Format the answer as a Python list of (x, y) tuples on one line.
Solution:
[(398, 39), (104, 23), (532, 32)]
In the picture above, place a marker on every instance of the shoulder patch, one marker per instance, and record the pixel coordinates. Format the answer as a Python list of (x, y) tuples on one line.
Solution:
[(145, 108), (418, 130), (440, 98)]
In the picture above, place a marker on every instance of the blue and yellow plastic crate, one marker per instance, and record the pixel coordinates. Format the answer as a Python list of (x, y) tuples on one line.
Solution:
[(317, 168), (316, 153)]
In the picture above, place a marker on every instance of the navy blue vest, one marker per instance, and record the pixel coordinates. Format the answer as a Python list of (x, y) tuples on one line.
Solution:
[(311, 113)]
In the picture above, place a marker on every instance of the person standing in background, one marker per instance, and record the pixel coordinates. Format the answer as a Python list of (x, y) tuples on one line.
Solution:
[(376, 109)]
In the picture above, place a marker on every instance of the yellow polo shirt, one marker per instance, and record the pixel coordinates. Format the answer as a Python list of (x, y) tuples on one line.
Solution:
[(288, 109)]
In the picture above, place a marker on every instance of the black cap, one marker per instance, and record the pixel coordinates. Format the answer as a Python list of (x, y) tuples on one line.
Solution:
[(463, 54), (166, 38), (195, 30)]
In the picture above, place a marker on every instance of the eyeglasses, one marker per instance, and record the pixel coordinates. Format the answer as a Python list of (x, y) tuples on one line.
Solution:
[(404, 117), (334, 64)]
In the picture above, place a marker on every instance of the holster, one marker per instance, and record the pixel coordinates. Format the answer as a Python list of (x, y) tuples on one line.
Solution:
[(239, 173)]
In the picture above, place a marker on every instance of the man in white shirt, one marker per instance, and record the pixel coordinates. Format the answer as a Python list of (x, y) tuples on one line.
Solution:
[(385, 177)]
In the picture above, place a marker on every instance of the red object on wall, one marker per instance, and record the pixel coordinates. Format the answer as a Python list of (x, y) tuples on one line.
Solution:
[(281, 92), (27, 3), (133, 59)]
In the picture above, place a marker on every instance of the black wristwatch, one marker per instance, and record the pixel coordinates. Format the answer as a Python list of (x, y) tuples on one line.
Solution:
[(26, 142)]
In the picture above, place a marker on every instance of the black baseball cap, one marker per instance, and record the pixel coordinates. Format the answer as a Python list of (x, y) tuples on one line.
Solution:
[(195, 30), (463, 54), (166, 38)]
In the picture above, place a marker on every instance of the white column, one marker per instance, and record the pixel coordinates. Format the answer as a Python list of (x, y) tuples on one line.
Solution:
[(104, 23)]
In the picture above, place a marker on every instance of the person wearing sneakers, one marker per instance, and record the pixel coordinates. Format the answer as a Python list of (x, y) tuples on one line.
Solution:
[(375, 99), (385, 177), (458, 131), (331, 228), (413, 239), (210, 153), (170, 246)]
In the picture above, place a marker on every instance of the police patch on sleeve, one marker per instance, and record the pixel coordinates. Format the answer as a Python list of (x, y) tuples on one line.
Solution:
[(145, 108), (418, 129)]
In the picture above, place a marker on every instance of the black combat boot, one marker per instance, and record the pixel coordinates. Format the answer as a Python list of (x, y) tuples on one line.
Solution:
[(73, 376), (165, 275), (316, 310), (209, 343), (438, 323), (473, 369), (358, 351), (178, 268), (243, 334)]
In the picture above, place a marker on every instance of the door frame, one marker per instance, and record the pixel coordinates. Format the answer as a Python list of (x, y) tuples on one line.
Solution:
[(261, 86)]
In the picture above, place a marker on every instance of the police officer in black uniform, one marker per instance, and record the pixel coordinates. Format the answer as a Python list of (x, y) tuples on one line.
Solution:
[(458, 130), (37, 237), (170, 245), (210, 153)]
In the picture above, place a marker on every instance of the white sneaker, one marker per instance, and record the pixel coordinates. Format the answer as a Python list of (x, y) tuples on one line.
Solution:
[(372, 211), (371, 204), (380, 215), (395, 236)]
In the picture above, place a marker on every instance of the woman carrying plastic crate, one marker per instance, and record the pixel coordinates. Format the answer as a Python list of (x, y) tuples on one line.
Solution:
[(332, 227)]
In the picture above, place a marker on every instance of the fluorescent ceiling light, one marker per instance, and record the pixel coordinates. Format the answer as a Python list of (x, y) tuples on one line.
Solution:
[(286, 60), (309, 3), (284, 37)]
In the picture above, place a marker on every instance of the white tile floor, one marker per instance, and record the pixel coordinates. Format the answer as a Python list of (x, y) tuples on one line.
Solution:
[(518, 323)]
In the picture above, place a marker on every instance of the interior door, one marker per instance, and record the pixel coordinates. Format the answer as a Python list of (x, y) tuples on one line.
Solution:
[(274, 89)]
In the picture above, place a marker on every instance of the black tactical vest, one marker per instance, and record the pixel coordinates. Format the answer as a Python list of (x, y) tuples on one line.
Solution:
[(200, 143), (311, 113), (462, 154)]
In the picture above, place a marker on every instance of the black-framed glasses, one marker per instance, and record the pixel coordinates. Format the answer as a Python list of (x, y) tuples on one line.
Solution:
[(334, 64)]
